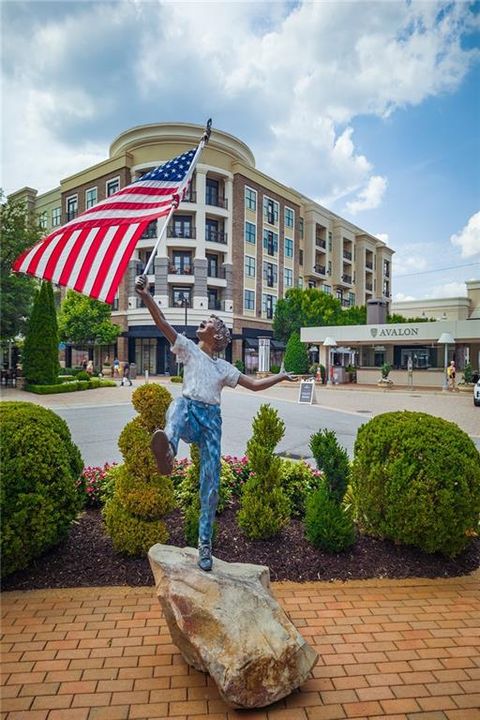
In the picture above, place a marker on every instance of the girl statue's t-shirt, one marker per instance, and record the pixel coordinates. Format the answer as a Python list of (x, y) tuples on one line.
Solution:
[(203, 376)]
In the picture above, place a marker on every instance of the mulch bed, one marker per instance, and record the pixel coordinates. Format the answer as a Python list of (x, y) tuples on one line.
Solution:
[(87, 558)]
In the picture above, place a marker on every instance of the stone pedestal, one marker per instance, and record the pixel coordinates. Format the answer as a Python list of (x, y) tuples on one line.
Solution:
[(228, 623)]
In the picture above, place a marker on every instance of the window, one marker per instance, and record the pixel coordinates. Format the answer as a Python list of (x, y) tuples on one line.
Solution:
[(327, 289), (113, 186), (386, 288), (330, 241), (270, 242), (288, 247), (268, 305), (250, 232), (214, 302), (300, 226), (72, 207), (181, 226), (56, 217), (351, 299), (270, 211), (300, 282), (270, 274), (300, 257), (214, 231), (386, 268), (90, 197), (329, 271), (249, 300), (180, 296), (289, 217), (249, 266), (212, 266), (250, 199), (312, 284), (288, 277), (181, 263), (42, 220), (116, 302), (212, 192)]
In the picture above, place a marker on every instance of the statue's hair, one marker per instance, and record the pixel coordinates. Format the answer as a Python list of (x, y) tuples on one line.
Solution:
[(222, 334)]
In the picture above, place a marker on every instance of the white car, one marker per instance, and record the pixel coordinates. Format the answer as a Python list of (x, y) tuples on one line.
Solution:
[(476, 393)]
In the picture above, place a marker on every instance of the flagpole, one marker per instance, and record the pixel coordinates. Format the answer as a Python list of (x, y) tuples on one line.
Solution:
[(178, 196)]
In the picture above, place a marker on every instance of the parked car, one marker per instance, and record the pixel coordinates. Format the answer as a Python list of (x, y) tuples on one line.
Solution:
[(476, 393)]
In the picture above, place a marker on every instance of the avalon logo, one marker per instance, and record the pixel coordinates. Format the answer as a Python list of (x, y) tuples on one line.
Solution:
[(373, 332)]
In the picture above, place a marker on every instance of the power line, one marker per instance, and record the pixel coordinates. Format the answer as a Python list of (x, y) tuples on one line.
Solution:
[(425, 272)]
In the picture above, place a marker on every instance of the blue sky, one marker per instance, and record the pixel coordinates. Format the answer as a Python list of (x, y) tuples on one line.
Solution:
[(371, 108)]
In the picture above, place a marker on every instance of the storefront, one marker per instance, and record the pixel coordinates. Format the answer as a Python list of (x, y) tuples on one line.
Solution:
[(370, 346)]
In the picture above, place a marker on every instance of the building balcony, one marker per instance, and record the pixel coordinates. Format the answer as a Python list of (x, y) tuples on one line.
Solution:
[(139, 268), (369, 287), (320, 243), (186, 233), (216, 236), (347, 279), (345, 302), (216, 201), (150, 232), (216, 305), (216, 272), (319, 269), (181, 269), (347, 255), (369, 265)]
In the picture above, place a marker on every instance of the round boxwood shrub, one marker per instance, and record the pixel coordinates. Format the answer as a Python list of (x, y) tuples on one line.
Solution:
[(38, 491), (416, 480)]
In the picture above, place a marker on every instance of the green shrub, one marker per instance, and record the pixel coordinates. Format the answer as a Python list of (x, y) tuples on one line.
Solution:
[(264, 506), (138, 496), (188, 489), (416, 480), (83, 375), (296, 355), (40, 350), (298, 481), (240, 365), (152, 401), (328, 525), (332, 460), (275, 369), (69, 386), (40, 469), (176, 378)]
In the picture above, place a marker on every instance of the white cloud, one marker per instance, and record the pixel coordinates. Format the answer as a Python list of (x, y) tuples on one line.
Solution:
[(401, 297), (468, 239), (449, 289), (383, 237), (370, 197), (408, 260), (288, 79)]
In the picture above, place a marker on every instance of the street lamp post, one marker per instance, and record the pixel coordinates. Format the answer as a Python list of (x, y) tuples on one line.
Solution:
[(445, 339), (328, 343)]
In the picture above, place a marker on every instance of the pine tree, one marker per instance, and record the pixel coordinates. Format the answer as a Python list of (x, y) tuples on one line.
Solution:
[(40, 352), (296, 355)]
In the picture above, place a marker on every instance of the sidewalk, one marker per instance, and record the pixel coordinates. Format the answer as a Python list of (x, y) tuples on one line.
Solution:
[(388, 649)]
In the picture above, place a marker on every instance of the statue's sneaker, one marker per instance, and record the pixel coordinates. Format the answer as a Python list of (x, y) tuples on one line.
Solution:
[(162, 451), (205, 560)]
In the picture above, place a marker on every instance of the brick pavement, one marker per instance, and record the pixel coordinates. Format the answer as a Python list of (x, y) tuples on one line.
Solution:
[(388, 649)]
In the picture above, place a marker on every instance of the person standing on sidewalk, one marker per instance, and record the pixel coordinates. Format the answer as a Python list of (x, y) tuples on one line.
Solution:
[(195, 416), (126, 374)]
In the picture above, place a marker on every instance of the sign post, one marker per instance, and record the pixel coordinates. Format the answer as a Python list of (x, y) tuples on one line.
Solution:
[(307, 392)]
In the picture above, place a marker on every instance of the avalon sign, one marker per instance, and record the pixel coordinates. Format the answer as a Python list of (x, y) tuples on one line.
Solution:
[(394, 332)]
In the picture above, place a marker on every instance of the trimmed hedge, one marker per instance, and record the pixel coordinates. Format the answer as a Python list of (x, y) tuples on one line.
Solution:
[(416, 480), (67, 387), (40, 470)]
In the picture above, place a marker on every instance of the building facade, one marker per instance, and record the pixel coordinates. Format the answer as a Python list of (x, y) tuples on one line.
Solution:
[(234, 246)]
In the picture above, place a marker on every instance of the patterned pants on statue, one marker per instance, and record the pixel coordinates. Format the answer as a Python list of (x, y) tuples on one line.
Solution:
[(200, 423)]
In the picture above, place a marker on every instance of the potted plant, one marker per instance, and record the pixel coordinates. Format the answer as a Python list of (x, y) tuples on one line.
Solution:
[(385, 381)]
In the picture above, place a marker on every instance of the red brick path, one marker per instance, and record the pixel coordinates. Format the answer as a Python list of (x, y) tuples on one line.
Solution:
[(388, 649)]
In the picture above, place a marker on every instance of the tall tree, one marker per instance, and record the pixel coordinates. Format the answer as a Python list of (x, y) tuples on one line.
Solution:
[(84, 321), (19, 230), (304, 308), (40, 352), (296, 355)]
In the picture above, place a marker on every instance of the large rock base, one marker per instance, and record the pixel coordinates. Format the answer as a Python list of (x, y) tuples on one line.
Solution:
[(228, 623)]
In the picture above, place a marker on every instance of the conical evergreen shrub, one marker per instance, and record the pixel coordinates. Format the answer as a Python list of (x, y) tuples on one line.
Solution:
[(296, 355), (40, 351), (142, 497), (264, 505)]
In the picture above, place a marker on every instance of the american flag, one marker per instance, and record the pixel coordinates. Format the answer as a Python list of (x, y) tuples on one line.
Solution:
[(91, 253)]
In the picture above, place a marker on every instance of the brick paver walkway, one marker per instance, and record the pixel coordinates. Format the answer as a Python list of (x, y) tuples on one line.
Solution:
[(407, 649)]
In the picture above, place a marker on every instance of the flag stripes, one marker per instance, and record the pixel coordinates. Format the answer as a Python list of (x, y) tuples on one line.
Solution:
[(90, 253)]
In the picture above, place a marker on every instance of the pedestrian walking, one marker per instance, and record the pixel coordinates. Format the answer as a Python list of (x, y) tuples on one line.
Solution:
[(126, 374), (195, 416), (451, 374)]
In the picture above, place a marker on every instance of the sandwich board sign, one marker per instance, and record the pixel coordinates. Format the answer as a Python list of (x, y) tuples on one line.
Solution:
[(306, 393)]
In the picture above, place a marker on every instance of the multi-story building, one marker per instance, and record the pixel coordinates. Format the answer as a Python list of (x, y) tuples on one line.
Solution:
[(234, 246)]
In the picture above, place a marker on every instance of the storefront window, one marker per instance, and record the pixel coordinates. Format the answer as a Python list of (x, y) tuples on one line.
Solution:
[(146, 355)]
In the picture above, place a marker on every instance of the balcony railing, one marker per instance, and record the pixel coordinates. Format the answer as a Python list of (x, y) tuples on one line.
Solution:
[(347, 279), (217, 236), (347, 254), (186, 233), (215, 305), (270, 281), (215, 272), (345, 302), (183, 269), (140, 266), (320, 269), (368, 265), (369, 287), (216, 201), (179, 303), (320, 243), (70, 215), (150, 231)]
